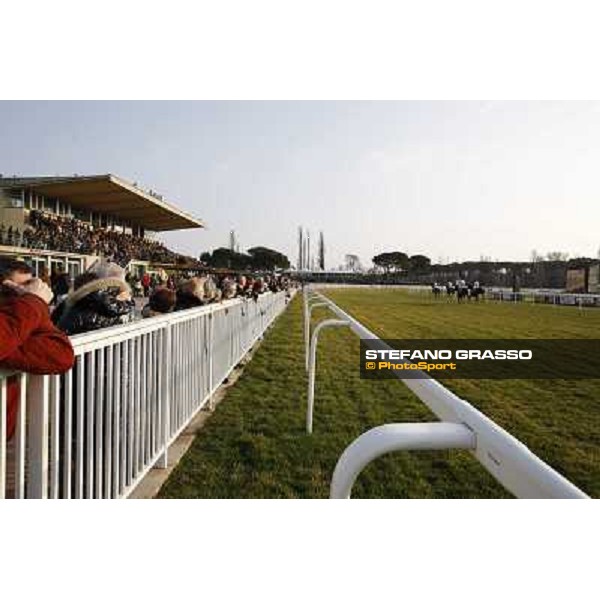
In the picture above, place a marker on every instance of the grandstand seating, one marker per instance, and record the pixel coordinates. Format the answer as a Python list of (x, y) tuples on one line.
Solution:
[(67, 234)]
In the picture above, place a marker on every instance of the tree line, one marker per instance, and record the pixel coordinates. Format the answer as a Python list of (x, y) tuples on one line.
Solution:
[(400, 261), (258, 258)]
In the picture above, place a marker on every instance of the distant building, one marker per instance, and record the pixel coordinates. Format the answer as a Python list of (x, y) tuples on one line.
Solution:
[(585, 279)]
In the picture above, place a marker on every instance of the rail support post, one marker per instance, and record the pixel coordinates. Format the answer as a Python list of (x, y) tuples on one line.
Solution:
[(392, 438), (306, 296), (312, 367), (210, 351), (309, 309), (165, 394), (38, 413), (306, 324)]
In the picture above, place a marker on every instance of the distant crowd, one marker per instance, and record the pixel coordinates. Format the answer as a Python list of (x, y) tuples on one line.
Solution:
[(105, 295), (200, 290), (66, 234)]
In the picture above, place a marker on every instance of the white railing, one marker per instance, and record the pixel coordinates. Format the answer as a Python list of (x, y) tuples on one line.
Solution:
[(462, 426), (97, 430), (553, 297), (539, 296), (544, 297)]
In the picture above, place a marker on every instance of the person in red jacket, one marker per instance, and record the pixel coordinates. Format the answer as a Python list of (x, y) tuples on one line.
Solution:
[(146, 283), (29, 341)]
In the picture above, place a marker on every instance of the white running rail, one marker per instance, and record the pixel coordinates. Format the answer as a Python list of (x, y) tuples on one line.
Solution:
[(541, 297), (538, 296), (462, 426), (96, 431)]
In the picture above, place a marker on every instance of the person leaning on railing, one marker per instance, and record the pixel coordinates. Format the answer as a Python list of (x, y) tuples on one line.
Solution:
[(29, 342), (101, 298)]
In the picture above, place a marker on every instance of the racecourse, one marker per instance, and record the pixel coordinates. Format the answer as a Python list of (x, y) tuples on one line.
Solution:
[(254, 446)]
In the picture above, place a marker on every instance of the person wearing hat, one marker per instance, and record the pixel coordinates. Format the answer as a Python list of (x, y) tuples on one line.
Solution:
[(191, 293), (101, 298)]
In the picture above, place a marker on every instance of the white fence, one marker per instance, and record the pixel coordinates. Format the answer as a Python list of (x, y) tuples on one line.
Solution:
[(538, 296), (96, 431), (544, 297), (461, 426), (553, 297)]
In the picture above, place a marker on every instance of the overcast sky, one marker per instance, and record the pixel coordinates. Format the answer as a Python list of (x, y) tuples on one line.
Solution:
[(452, 180)]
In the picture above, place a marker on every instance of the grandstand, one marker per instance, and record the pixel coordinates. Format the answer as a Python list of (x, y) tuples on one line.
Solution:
[(66, 223)]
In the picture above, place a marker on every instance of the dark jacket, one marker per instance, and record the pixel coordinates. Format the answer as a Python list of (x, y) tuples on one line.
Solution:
[(93, 306), (185, 301), (29, 342)]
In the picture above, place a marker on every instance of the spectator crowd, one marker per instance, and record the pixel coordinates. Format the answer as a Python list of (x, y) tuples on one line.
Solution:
[(207, 289), (46, 231), (106, 295)]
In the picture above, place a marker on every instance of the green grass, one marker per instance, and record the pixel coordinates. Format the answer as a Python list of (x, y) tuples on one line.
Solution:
[(254, 446)]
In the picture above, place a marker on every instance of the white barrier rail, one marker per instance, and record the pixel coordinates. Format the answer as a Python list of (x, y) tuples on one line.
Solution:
[(97, 430), (538, 296), (508, 460), (544, 297), (552, 297)]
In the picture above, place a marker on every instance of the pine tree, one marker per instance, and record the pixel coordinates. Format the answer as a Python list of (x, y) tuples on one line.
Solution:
[(321, 252)]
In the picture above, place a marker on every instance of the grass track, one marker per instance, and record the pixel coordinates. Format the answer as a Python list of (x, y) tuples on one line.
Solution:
[(255, 446)]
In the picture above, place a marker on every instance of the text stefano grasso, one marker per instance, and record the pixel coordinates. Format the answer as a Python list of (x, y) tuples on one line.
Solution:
[(458, 354)]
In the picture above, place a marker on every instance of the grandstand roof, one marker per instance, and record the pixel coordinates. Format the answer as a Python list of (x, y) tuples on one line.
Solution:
[(112, 195)]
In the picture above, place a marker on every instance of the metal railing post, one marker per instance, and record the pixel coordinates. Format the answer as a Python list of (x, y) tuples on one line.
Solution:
[(393, 438), (306, 326), (211, 345), (165, 395), (312, 367), (21, 438), (308, 321), (37, 439), (3, 435)]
